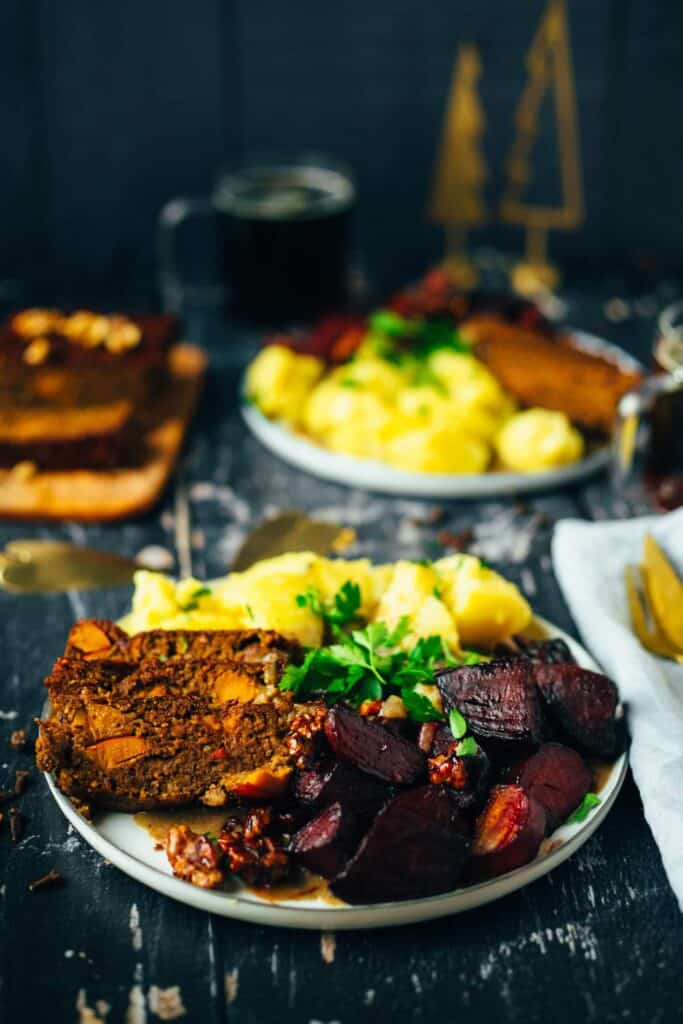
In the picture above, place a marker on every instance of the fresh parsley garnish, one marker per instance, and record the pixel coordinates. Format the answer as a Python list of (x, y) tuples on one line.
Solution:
[(386, 321), (457, 724), (402, 338), (467, 747), (341, 611), (193, 603), (419, 707), (590, 801), (367, 662)]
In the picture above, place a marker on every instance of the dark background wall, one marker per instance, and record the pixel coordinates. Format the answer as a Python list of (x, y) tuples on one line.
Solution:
[(109, 109)]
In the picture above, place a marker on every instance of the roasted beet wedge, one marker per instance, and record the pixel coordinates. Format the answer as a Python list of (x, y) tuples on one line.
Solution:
[(582, 704), (416, 847), (329, 782), (557, 777), (545, 652), (327, 842), (498, 699), (372, 748), (508, 833)]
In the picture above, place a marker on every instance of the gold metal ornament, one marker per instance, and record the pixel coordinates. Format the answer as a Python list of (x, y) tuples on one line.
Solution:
[(457, 202), (549, 66)]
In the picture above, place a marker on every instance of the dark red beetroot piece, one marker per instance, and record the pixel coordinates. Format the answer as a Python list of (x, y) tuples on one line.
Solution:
[(544, 652), (498, 699), (416, 847), (582, 704), (327, 842), (557, 777), (329, 782), (372, 748), (508, 833)]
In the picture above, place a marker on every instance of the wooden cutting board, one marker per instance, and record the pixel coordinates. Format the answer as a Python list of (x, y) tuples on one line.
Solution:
[(97, 496)]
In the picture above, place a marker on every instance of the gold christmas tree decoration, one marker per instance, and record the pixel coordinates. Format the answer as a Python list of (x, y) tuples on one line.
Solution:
[(460, 171), (549, 66)]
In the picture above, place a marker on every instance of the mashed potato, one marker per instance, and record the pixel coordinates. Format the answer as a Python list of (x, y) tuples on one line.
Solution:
[(456, 598), (441, 413), (538, 439), (279, 381)]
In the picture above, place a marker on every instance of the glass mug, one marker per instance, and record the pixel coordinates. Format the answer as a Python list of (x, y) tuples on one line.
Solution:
[(649, 428), (283, 240)]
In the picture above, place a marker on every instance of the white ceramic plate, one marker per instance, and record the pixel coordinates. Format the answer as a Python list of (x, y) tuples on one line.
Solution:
[(117, 837), (378, 476)]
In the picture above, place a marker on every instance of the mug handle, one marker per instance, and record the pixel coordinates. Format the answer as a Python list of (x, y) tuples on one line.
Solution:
[(175, 291), (633, 413)]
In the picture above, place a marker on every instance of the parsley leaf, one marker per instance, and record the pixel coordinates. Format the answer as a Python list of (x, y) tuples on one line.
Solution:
[(467, 747), (341, 611), (457, 723), (193, 603), (386, 321), (590, 801), (295, 676), (419, 707), (347, 654), (347, 602), (367, 662), (369, 689)]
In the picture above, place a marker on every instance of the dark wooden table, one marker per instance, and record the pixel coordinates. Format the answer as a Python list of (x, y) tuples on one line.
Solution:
[(600, 939)]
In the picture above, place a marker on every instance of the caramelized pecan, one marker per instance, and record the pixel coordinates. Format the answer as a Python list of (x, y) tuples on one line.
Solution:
[(193, 857), (253, 849), (448, 769), (304, 730)]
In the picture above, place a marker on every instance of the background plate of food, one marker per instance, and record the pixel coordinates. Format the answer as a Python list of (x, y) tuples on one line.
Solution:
[(430, 787), (440, 394)]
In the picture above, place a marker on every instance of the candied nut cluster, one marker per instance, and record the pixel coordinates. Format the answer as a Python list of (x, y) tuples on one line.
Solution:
[(117, 334), (448, 769), (37, 351), (24, 471), (370, 708), (253, 849), (304, 730), (193, 857), (32, 322)]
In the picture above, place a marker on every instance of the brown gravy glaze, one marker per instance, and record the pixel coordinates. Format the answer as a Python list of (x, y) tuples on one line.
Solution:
[(301, 886), (200, 819), (601, 773)]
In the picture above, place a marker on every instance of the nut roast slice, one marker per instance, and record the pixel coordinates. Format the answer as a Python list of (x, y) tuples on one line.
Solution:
[(128, 731), (132, 752), (94, 639)]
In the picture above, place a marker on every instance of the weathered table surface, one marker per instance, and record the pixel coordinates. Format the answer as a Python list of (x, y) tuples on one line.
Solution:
[(600, 939)]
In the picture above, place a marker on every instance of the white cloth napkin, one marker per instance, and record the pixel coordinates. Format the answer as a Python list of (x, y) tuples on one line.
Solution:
[(589, 561)]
